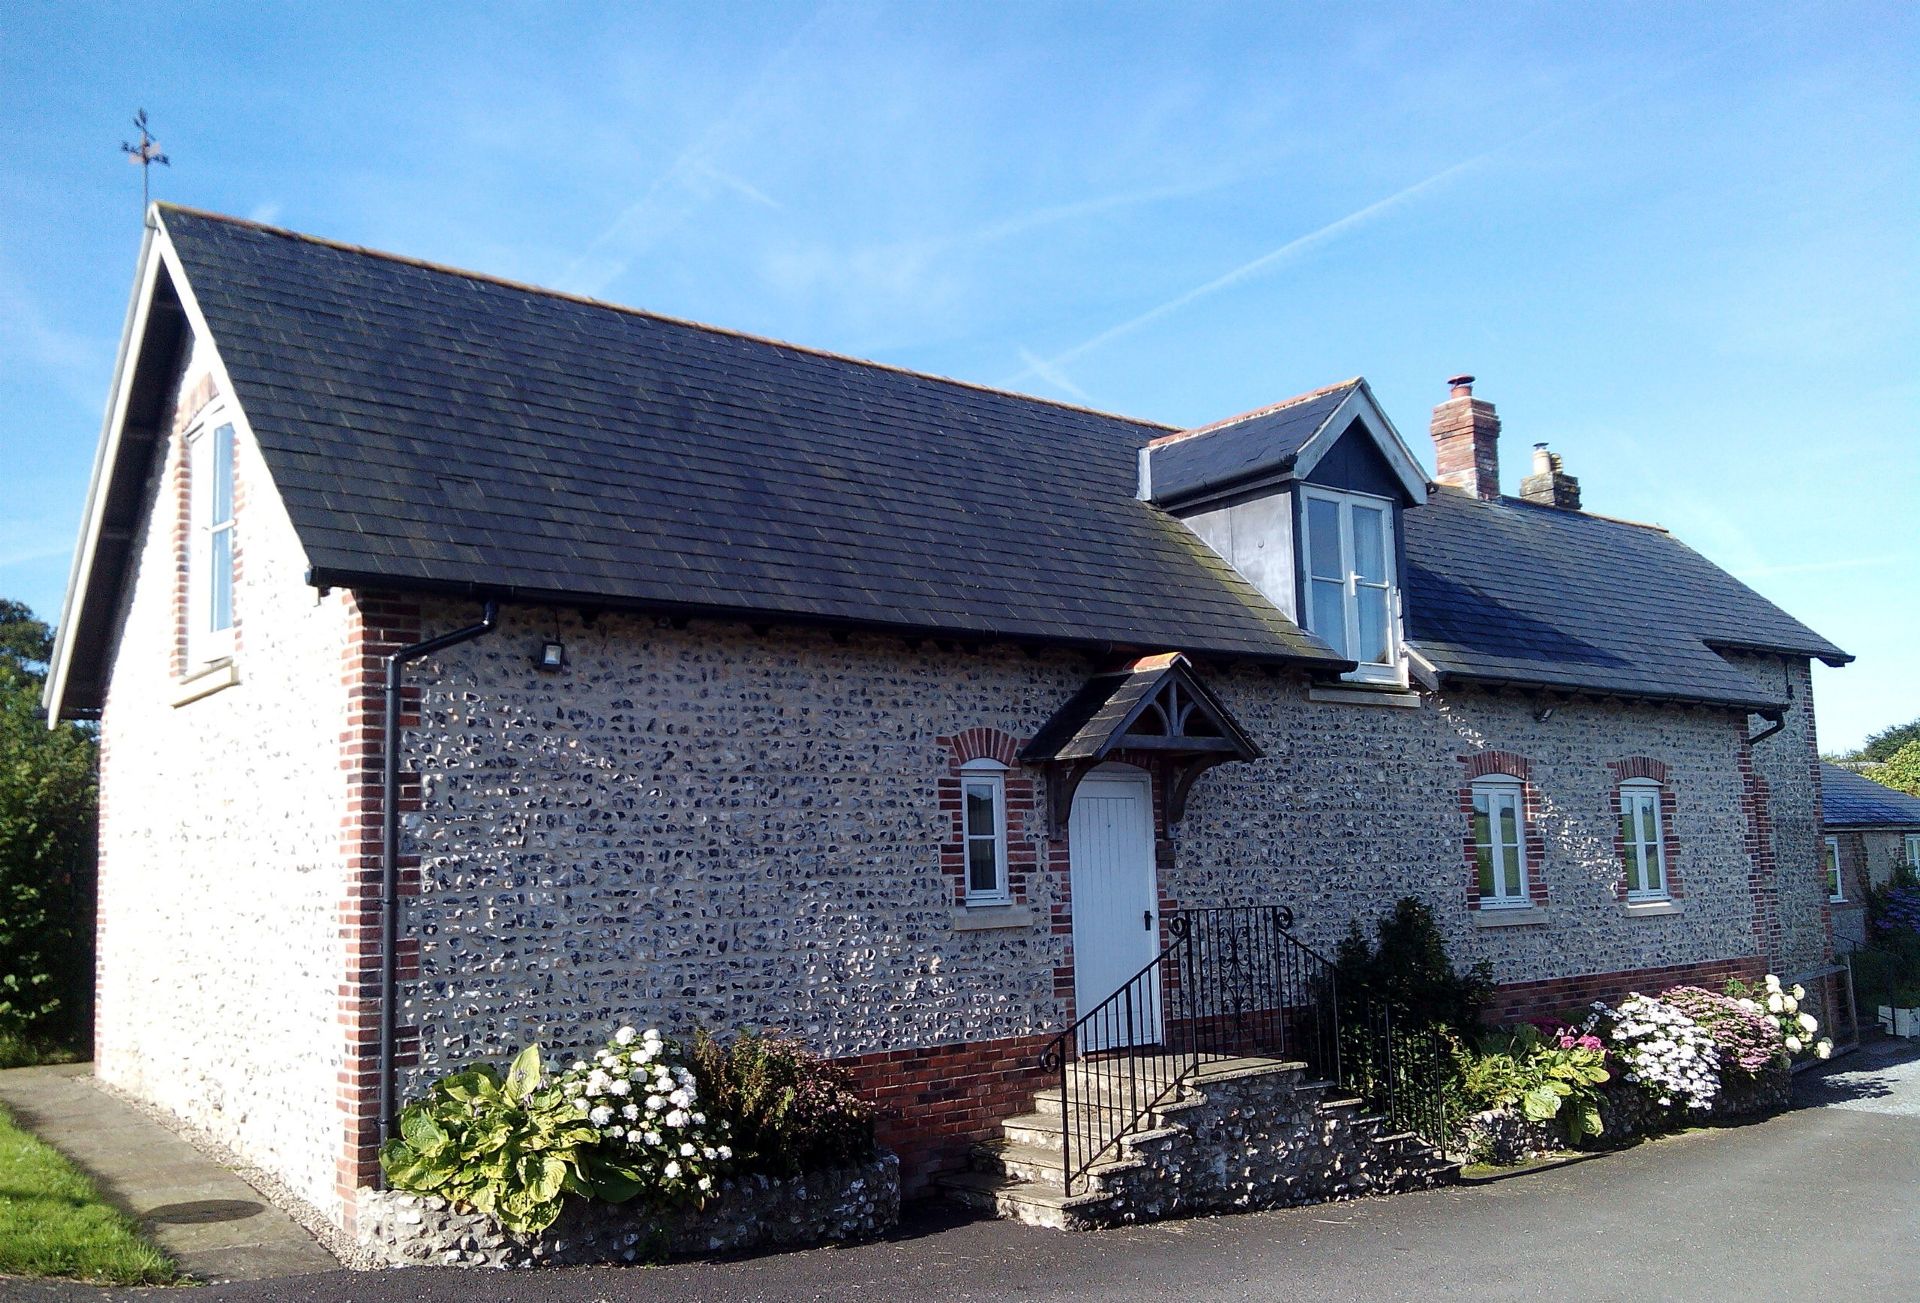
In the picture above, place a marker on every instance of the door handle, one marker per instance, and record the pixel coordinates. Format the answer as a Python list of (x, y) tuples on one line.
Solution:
[(1146, 919)]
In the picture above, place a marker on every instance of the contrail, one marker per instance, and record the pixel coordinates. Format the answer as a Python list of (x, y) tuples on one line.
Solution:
[(1292, 248), (1302, 244)]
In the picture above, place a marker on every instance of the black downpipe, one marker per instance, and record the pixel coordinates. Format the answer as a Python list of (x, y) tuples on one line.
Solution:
[(390, 844), (1779, 718)]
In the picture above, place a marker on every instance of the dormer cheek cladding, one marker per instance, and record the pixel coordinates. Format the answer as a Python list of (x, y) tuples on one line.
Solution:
[(1256, 538)]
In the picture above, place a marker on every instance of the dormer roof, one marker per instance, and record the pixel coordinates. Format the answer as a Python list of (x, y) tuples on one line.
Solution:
[(1271, 446)]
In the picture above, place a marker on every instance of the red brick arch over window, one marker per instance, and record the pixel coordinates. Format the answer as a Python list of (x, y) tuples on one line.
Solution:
[(1022, 796), (1656, 770), (1486, 764)]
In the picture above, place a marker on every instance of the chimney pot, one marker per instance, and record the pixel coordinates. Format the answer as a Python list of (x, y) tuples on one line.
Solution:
[(1550, 485), (1462, 386)]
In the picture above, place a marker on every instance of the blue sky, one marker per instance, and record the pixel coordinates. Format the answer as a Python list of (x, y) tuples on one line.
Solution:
[(1678, 242)]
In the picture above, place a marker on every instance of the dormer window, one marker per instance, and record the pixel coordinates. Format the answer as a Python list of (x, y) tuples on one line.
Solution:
[(1352, 595)]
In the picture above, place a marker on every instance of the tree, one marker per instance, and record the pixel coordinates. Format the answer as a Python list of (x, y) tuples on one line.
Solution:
[(1901, 770), (1880, 746), (48, 799)]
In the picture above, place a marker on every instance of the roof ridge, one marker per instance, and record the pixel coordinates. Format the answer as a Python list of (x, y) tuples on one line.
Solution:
[(1268, 410), (528, 287), (1507, 499)]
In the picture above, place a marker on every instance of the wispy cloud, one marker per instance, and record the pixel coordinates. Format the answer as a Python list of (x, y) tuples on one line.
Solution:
[(705, 170), (1053, 375), (267, 213), (1887, 560), (687, 183), (75, 363), (1304, 244)]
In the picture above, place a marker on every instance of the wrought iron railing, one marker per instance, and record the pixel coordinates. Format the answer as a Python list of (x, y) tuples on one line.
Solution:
[(1401, 1066), (1232, 982)]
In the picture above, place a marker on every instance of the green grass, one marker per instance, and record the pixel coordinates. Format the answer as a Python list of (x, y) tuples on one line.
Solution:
[(54, 1223)]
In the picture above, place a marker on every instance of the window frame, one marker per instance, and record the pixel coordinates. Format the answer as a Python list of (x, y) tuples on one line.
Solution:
[(1391, 670), (206, 585), (1633, 848), (1499, 789), (1912, 844), (1836, 876), (990, 776)]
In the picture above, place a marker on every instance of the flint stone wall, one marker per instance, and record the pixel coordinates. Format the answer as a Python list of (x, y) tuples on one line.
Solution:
[(1501, 1137), (747, 1212), (712, 826), (1257, 1140)]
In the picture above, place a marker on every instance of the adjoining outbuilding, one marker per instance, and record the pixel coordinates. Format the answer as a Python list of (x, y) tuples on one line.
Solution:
[(1869, 831)]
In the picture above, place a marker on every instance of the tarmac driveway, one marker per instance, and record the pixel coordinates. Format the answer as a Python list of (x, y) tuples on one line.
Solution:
[(1820, 1202)]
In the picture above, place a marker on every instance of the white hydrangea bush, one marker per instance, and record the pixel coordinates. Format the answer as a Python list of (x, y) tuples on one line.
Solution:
[(639, 1094), (1799, 1029), (1662, 1050)]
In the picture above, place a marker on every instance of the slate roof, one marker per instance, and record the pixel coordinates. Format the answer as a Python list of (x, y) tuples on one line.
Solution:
[(1246, 448), (1509, 591), (1095, 719), (1850, 800), (437, 430), (430, 428)]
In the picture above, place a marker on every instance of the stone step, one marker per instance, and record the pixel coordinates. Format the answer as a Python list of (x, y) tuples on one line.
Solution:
[(1025, 1201), (1044, 1164)]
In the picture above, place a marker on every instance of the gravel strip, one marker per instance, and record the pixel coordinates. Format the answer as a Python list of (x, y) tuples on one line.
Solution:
[(331, 1237)]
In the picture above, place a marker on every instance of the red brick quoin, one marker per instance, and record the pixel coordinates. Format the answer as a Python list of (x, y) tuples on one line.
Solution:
[(1646, 767), (376, 626), (1483, 764)]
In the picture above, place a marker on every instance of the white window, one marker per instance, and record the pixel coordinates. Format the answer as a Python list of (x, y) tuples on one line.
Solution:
[(1352, 599), (983, 814), (1836, 890), (210, 566), (1913, 850), (1640, 835), (1500, 841)]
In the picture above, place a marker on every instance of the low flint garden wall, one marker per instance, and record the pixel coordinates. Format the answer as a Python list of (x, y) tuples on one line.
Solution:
[(747, 1212)]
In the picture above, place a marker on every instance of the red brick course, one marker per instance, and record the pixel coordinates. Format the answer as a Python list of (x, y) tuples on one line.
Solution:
[(937, 1101), (1559, 994)]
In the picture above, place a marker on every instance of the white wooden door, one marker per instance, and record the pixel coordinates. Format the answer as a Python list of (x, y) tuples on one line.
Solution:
[(1116, 906)]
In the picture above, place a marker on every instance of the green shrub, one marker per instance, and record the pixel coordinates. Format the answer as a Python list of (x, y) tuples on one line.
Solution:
[(505, 1146), (1545, 1077), (1407, 965), (788, 1110), (47, 802)]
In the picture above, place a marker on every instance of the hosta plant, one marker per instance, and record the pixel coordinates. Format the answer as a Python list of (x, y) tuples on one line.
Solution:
[(1546, 1077), (507, 1146)]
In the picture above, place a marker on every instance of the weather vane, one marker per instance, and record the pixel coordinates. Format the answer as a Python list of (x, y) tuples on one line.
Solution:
[(146, 154)]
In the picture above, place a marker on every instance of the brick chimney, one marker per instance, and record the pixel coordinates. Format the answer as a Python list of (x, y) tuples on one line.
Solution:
[(1549, 485), (1466, 441)]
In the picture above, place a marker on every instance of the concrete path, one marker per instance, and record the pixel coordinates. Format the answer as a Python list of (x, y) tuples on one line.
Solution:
[(216, 1226)]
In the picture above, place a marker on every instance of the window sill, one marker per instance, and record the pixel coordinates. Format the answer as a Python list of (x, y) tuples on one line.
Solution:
[(986, 918), (206, 681), (1385, 694), (1510, 916), (1651, 908)]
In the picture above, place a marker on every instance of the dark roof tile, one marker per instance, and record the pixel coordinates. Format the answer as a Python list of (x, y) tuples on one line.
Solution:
[(1850, 800)]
